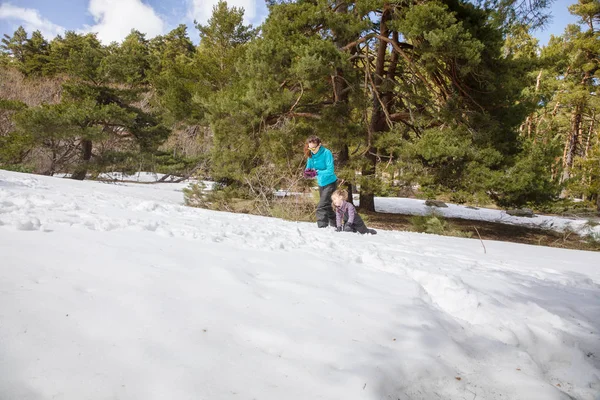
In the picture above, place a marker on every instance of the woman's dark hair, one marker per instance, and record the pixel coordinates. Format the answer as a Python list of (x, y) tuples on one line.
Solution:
[(311, 139)]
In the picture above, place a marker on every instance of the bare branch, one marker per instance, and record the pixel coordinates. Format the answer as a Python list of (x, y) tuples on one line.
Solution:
[(298, 99)]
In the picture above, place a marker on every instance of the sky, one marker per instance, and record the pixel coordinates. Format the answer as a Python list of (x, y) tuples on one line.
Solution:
[(118, 290), (114, 19)]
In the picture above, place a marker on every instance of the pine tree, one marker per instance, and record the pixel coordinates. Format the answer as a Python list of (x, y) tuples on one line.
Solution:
[(414, 75), (223, 43), (563, 127), (35, 53), (129, 62), (174, 76), (92, 109), (582, 79), (15, 45)]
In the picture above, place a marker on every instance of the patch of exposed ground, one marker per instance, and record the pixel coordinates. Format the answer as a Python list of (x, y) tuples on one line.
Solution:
[(489, 231)]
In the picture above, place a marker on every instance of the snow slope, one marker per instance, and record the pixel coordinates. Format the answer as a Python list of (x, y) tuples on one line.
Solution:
[(119, 291)]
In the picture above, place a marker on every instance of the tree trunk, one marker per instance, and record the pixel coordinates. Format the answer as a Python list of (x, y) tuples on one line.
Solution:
[(81, 171), (343, 159), (341, 95), (590, 135), (378, 119), (571, 144), (388, 96)]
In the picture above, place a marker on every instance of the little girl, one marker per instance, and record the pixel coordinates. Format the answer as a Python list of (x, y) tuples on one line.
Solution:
[(346, 217)]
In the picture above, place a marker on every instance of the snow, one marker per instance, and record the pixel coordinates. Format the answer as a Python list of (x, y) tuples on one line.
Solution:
[(418, 207), (137, 177), (141, 177), (119, 291)]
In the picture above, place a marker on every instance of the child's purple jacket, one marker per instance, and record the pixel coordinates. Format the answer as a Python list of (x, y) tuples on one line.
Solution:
[(341, 210)]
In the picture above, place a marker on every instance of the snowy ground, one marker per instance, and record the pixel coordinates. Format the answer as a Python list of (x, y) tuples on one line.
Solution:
[(418, 207), (119, 291)]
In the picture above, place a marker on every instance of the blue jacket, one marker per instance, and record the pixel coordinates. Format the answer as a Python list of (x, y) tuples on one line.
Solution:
[(322, 161)]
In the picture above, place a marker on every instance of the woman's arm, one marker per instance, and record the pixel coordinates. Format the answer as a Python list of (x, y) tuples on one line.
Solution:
[(309, 163), (329, 167)]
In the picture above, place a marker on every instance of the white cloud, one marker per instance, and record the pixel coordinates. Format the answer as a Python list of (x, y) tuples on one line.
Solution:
[(116, 18), (31, 20), (201, 10)]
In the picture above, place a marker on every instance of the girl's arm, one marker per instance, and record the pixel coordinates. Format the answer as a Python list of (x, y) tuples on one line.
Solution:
[(338, 217), (351, 213)]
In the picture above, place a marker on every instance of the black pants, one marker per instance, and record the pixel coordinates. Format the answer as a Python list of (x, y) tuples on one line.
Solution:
[(325, 213), (358, 225)]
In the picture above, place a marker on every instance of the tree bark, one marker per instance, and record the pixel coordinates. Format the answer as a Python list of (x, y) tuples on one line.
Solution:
[(343, 159), (590, 135), (571, 144), (81, 171), (341, 95), (378, 118)]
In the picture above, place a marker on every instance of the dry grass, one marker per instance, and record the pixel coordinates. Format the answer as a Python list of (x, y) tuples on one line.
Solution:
[(33, 92)]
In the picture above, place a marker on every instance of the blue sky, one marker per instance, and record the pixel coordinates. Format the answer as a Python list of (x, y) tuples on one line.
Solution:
[(560, 19), (114, 19)]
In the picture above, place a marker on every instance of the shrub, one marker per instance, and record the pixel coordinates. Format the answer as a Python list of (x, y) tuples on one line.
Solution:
[(437, 225)]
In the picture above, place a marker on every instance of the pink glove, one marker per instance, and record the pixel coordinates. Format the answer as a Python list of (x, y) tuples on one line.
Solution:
[(310, 173)]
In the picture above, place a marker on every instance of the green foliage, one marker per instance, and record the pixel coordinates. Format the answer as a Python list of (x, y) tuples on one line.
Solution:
[(529, 180), (195, 195), (429, 224), (35, 52), (174, 76), (568, 207), (176, 87), (15, 45), (441, 36), (56, 128), (13, 147), (219, 198), (510, 12), (13, 151), (129, 62), (91, 111), (453, 162), (168, 163), (29, 55), (225, 29), (585, 175), (568, 84), (222, 44), (436, 225), (11, 105), (24, 168), (166, 49), (235, 145), (519, 44), (461, 197)]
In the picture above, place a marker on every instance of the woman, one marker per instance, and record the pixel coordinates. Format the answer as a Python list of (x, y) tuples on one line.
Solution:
[(320, 163)]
